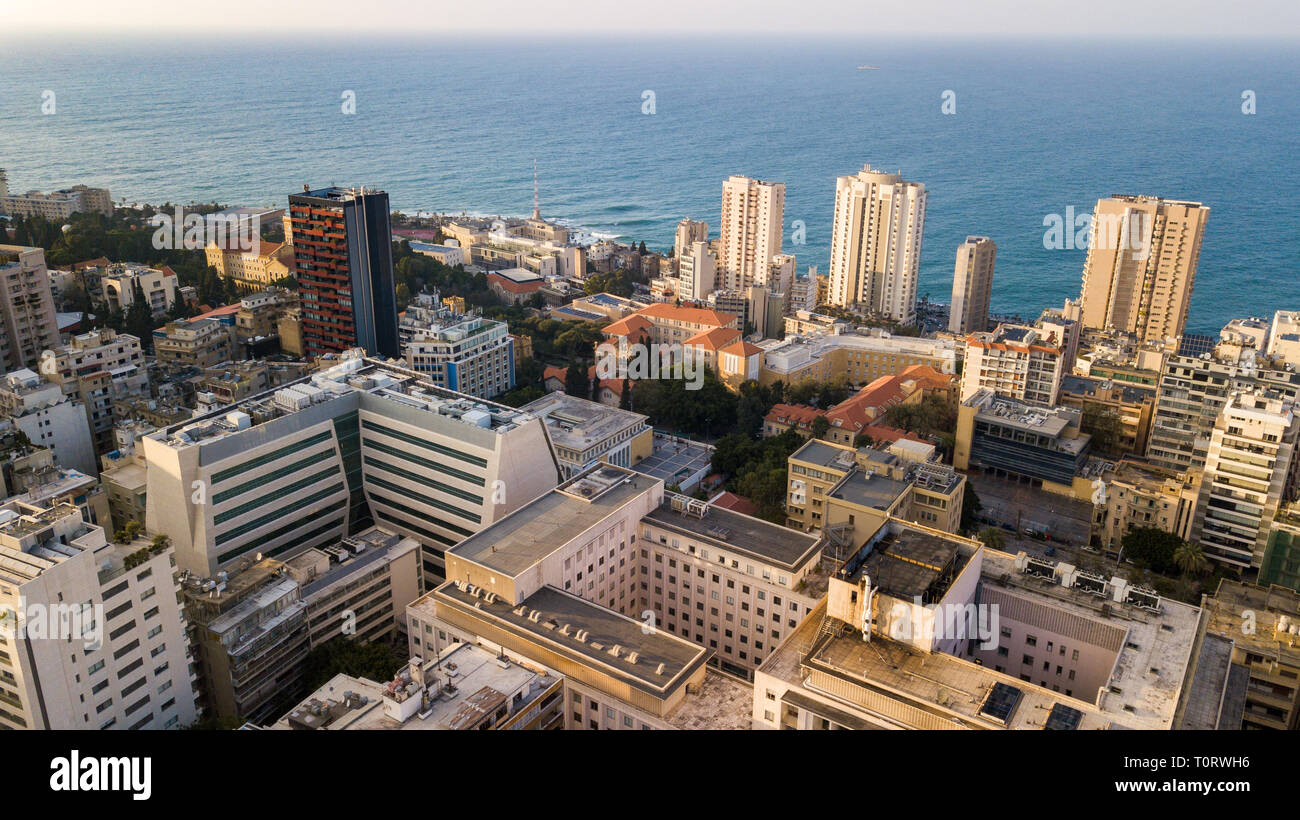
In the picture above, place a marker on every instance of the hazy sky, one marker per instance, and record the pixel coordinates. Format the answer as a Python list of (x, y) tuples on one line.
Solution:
[(1139, 18)]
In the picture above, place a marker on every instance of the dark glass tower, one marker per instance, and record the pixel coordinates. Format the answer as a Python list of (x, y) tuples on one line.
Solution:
[(344, 257)]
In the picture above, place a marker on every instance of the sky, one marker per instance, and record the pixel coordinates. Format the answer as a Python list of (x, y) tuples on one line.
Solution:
[(1055, 18)]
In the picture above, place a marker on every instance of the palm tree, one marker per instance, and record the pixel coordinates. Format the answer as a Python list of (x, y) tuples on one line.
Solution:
[(1190, 558), (992, 538)]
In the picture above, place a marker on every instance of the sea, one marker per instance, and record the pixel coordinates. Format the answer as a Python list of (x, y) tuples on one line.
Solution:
[(630, 135)]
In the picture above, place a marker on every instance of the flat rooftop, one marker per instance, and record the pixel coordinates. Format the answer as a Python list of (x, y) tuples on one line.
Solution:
[(875, 491), (350, 377), (895, 685), (722, 702), (1153, 649), (744, 534), (674, 460), (826, 455), (577, 424), (655, 662), (907, 563), (478, 674), (517, 542), (1277, 611)]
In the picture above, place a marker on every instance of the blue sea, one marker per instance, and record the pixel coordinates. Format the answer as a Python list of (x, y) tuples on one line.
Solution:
[(452, 123)]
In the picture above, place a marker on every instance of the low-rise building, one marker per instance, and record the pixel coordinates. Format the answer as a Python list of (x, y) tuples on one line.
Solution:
[(196, 343), (1007, 437), (255, 626), (467, 687), (1139, 494), (57, 206), (1123, 410), (49, 418), (253, 268), (117, 283), (584, 432)]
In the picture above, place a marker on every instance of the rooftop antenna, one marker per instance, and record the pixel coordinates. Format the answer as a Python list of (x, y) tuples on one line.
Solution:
[(537, 207)]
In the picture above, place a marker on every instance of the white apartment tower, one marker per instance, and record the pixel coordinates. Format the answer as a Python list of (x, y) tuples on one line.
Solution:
[(689, 231), (697, 272), (876, 243), (91, 635), (972, 283), (1250, 471), (27, 322), (750, 232)]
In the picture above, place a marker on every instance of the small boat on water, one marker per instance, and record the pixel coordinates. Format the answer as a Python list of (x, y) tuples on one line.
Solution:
[(868, 68)]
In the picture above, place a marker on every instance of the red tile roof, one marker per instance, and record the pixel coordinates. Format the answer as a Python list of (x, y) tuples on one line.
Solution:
[(714, 339), (694, 315), (736, 503), (800, 415), (867, 404)]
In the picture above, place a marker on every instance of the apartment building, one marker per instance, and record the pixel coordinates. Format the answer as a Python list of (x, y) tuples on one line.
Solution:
[(1141, 265), (1284, 337), (259, 314), (749, 231), (697, 272), (254, 269), (689, 231), (585, 432), (1139, 494), (194, 343), (100, 368), (1281, 562), (361, 443), (1069, 650), (1251, 470), (117, 284), (1267, 655), (57, 206), (1016, 361), (972, 285), (49, 418), (231, 382), (876, 235), (92, 637), (254, 626), (29, 474), (468, 354), (1129, 408), (27, 323), (1196, 383)]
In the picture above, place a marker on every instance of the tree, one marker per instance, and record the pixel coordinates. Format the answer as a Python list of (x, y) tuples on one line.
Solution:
[(819, 426), (1151, 548), (993, 538), (1105, 427), (862, 440), (625, 398), (375, 661), (1190, 558), (576, 382)]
